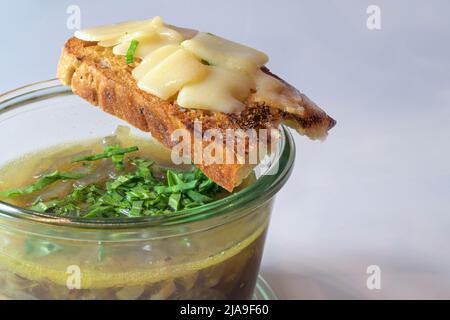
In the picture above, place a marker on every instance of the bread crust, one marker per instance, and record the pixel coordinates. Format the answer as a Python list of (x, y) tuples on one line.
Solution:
[(102, 78)]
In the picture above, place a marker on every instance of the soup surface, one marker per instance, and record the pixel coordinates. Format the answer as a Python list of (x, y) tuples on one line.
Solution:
[(123, 176), (118, 176)]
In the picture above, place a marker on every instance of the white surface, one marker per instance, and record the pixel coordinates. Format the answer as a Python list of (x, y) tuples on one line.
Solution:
[(377, 191)]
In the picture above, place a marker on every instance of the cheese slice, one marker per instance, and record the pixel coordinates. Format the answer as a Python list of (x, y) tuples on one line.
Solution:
[(225, 53), (112, 31), (172, 73), (151, 34), (185, 32), (145, 47), (152, 60), (222, 90), (149, 40)]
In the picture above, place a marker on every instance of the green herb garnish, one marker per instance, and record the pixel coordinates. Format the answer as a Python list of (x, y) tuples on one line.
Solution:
[(116, 153), (174, 201), (43, 182), (131, 50), (143, 189)]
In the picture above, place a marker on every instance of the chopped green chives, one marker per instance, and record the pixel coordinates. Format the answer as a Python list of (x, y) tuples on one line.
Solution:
[(131, 51)]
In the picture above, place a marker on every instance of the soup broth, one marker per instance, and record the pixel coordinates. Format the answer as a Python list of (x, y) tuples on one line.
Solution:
[(220, 263)]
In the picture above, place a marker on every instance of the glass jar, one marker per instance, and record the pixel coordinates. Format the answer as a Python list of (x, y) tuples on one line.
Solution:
[(210, 252)]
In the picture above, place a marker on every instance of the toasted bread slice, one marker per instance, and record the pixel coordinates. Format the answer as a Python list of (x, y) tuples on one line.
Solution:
[(105, 80)]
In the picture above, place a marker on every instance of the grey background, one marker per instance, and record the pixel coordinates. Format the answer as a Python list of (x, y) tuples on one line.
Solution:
[(377, 191)]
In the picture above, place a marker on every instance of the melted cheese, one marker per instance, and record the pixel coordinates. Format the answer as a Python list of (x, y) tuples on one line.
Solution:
[(225, 53), (222, 90), (173, 63), (152, 60), (112, 31), (169, 76), (145, 47)]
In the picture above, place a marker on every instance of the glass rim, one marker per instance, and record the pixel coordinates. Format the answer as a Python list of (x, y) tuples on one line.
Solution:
[(265, 187)]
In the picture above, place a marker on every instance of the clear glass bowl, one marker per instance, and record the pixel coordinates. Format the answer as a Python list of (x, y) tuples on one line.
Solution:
[(210, 252)]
